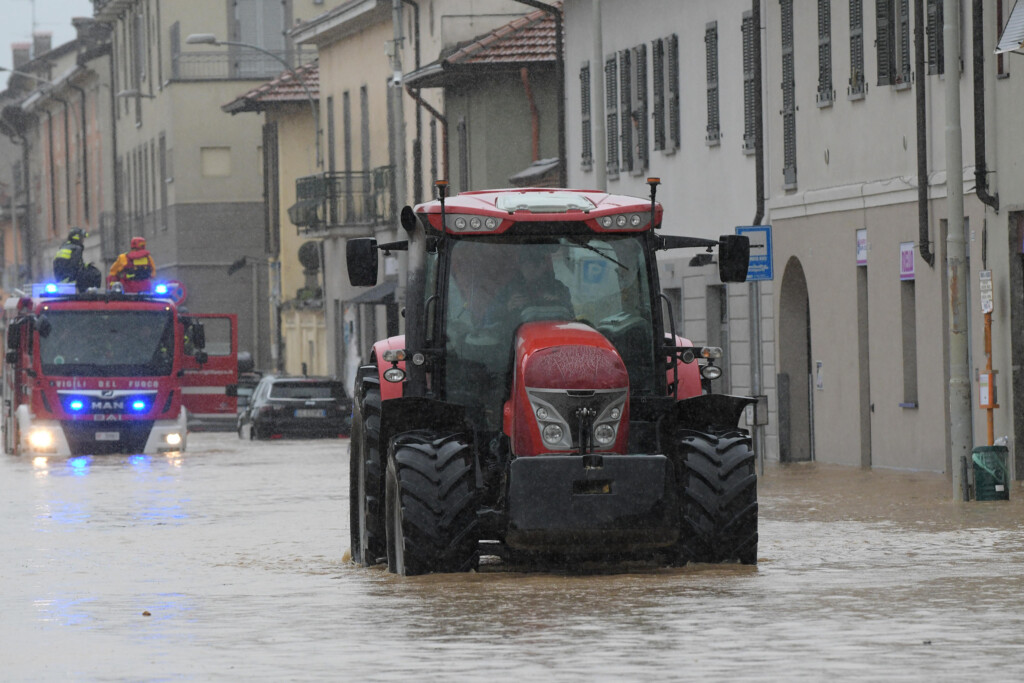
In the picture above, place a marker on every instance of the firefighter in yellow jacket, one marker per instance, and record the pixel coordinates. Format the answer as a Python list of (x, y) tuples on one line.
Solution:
[(134, 269)]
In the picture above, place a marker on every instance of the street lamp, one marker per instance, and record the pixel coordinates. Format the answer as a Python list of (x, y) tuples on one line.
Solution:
[(44, 81), (210, 39)]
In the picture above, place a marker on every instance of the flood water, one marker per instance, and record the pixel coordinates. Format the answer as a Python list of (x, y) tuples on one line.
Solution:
[(226, 562)]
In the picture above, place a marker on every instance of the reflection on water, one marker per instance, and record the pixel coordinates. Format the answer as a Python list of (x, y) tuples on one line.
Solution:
[(226, 563)]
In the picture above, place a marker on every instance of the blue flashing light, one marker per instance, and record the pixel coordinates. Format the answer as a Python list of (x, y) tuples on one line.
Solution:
[(50, 288), (160, 289), (79, 465), (75, 405), (138, 405)]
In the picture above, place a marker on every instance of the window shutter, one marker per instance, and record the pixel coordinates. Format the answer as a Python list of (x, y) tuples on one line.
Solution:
[(640, 106), (658, 65), (611, 96), (934, 29), (749, 115), (903, 74), (884, 44), (626, 112), (587, 149), (824, 52), (674, 116), (857, 81), (788, 97), (714, 132)]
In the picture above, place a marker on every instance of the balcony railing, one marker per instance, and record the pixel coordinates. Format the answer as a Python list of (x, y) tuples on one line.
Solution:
[(343, 198), (234, 64)]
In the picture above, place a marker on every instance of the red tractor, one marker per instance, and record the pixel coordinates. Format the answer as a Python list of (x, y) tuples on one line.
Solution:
[(540, 404)]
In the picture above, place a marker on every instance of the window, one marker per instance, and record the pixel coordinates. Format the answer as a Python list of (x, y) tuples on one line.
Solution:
[(163, 180), (857, 83), (934, 29), (893, 43), (714, 132), (586, 145), (788, 98), (749, 86), (825, 92), (215, 161), (626, 111), (611, 96), (640, 107)]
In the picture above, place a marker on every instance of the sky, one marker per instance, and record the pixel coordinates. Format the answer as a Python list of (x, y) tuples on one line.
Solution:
[(51, 15)]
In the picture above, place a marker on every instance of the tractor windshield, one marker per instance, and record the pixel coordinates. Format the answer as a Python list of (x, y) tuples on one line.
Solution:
[(495, 284)]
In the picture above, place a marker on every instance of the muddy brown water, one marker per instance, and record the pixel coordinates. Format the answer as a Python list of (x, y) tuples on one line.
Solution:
[(227, 563)]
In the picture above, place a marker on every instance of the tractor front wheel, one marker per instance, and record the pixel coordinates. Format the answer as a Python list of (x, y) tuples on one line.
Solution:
[(718, 498), (431, 504)]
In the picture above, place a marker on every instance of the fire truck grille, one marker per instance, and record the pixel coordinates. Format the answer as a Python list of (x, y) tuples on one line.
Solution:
[(96, 438)]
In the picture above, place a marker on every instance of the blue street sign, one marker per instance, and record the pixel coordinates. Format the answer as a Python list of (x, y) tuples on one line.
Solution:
[(760, 251)]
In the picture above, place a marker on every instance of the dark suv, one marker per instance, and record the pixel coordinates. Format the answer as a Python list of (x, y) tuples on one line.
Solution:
[(297, 407)]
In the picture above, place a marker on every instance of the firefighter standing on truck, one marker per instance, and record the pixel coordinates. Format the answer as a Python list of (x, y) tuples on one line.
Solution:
[(68, 263), (134, 269)]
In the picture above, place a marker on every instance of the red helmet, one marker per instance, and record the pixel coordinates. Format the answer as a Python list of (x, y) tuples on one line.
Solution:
[(138, 243)]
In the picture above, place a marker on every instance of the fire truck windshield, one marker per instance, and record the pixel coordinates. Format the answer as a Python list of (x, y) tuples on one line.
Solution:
[(107, 344)]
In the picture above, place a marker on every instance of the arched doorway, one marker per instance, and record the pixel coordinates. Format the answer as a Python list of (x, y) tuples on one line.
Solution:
[(794, 381)]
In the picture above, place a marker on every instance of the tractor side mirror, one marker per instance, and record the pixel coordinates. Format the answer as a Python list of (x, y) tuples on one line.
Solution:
[(408, 219), (361, 259), (733, 258)]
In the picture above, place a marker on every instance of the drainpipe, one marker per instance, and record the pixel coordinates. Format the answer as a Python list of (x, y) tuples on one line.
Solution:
[(755, 11), (597, 120), (524, 74), (417, 148), (53, 180), (84, 152), (415, 95), (556, 14), (980, 167), (924, 245)]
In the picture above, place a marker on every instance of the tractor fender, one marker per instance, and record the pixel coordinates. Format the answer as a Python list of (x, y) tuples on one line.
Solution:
[(710, 412), (409, 413), (388, 390)]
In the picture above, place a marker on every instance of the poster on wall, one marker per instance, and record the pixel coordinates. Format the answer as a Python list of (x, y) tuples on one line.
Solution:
[(906, 260), (862, 247)]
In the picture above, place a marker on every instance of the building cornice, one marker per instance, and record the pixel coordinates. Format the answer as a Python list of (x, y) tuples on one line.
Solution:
[(347, 18)]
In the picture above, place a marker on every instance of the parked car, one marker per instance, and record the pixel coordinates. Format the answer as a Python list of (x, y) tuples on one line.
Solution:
[(296, 407)]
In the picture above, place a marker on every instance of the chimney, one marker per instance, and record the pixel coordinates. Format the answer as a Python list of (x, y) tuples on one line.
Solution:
[(41, 41), (90, 32), (21, 53)]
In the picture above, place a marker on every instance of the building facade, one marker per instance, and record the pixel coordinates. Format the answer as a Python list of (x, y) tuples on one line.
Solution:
[(667, 89)]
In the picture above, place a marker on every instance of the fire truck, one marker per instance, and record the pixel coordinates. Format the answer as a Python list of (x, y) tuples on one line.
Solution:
[(108, 372)]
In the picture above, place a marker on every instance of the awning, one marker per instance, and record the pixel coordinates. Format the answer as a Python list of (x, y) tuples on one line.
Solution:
[(1013, 33), (384, 293)]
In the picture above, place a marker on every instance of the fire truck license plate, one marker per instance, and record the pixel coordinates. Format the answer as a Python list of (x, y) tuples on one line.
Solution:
[(108, 436), (310, 412)]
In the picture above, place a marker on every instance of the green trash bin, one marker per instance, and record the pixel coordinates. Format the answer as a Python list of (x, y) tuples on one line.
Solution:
[(991, 473)]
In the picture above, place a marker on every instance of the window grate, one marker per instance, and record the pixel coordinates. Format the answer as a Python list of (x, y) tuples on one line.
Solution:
[(714, 132)]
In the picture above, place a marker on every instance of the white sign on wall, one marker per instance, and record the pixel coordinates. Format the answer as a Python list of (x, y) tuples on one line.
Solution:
[(862, 247), (906, 260)]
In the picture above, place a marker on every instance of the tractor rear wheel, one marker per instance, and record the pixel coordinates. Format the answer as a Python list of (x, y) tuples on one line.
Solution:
[(431, 504), (718, 498), (366, 479)]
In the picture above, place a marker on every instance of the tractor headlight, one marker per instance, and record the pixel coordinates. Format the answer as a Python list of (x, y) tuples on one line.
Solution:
[(636, 220), (711, 372), (604, 434), (553, 433), (470, 223)]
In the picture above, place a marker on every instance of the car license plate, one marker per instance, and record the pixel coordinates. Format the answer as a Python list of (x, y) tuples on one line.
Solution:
[(310, 412), (108, 436)]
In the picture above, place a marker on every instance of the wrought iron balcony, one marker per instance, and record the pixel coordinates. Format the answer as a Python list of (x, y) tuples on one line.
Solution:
[(343, 198), (234, 64)]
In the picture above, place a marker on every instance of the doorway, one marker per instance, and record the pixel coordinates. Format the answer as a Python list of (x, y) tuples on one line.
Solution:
[(794, 381)]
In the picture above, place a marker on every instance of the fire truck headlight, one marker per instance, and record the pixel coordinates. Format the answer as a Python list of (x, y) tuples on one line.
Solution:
[(173, 439), (40, 439)]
